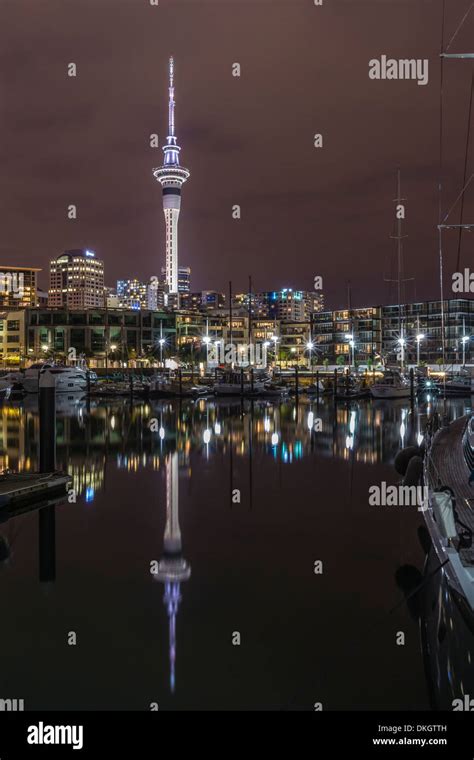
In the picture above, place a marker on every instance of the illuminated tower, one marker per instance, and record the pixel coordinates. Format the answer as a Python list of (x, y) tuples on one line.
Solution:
[(172, 568), (171, 176)]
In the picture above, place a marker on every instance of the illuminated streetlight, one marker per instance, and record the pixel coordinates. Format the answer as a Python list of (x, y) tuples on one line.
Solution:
[(419, 338)]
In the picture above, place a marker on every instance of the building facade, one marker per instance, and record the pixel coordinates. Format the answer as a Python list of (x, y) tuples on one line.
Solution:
[(76, 280)]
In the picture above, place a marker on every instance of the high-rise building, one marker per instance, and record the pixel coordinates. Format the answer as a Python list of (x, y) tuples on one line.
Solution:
[(132, 294), (18, 287), (287, 304), (76, 280), (171, 176)]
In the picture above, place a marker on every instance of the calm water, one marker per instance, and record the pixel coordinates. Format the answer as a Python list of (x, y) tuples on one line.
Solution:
[(249, 566)]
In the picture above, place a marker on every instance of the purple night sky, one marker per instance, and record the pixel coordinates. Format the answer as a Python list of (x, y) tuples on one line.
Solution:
[(246, 141)]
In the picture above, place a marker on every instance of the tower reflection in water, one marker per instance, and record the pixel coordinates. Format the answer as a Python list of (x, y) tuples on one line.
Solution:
[(172, 567)]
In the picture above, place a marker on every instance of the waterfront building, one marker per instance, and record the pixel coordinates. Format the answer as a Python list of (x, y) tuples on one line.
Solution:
[(171, 176), (377, 332), (76, 280), (331, 331)]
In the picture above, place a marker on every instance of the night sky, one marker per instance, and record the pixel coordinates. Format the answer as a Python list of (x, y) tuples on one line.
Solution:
[(246, 141)]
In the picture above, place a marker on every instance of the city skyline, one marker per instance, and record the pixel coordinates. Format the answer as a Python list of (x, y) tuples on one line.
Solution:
[(323, 212)]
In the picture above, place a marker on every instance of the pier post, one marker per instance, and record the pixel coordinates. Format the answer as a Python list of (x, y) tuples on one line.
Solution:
[(180, 379), (47, 421), (242, 381), (296, 382), (317, 386), (335, 384), (412, 386), (47, 463), (251, 379), (131, 386)]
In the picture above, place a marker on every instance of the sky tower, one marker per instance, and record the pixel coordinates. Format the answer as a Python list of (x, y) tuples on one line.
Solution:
[(171, 176)]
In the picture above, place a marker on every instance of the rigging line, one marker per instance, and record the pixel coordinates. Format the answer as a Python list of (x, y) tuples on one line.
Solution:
[(468, 137), (461, 194), (440, 236), (459, 27)]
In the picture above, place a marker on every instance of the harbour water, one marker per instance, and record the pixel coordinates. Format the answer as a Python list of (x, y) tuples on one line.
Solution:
[(288, 591)]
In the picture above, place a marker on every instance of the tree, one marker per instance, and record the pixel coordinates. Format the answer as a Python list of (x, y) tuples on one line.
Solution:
[(340, 360)]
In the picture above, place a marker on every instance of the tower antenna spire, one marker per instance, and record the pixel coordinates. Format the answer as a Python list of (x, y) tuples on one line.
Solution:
[(171, 101)]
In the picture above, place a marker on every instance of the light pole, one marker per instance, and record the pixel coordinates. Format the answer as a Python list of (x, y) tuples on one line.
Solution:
[(266, 345), (350, 337), (206, 340), (275, 340), (402, 343), (465, 339), (419, 338)]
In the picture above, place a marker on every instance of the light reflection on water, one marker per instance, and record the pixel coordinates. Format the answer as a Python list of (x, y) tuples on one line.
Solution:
[(157, 482)]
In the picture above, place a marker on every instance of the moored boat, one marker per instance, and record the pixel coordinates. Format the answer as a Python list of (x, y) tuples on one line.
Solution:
[(392, 385)]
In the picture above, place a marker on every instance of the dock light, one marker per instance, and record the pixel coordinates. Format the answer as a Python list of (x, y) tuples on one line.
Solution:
[(206, 339), (113, 347), (401, 342), (266, 344), (162, 341), (465, 338), (352, 343), (420, 337), (275, 439), (207, 436), (44, 347), (217, 428), (310, 345)]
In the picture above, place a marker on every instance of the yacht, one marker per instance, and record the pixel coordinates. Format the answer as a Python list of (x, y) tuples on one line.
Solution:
[(448, 477), (233, 383), (458, 385), (67, 379), (392, 385)]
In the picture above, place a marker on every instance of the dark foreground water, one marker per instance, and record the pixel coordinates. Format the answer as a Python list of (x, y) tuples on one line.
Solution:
[(261, 499)]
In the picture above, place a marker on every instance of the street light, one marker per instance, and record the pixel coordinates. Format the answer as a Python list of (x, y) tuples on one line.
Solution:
[(465, 339), (162, 342), (419, 338), (350, 337), (275, 340), (402, 343)]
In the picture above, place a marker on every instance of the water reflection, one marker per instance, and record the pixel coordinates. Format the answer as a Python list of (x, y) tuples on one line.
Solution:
[(270, 452)]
